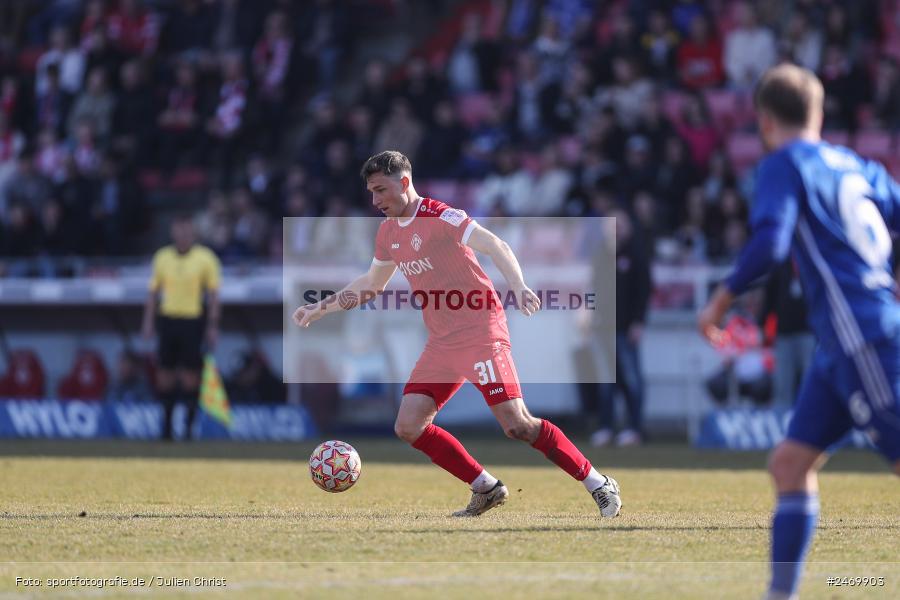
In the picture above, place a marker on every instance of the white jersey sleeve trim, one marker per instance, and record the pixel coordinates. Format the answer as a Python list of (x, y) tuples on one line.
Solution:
[(381, 263), (468, 232)]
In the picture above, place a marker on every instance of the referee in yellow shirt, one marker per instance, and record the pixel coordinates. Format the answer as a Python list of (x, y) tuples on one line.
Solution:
[(182, 272)]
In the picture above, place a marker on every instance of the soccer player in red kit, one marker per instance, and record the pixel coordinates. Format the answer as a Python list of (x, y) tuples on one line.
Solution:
[(432, 244)]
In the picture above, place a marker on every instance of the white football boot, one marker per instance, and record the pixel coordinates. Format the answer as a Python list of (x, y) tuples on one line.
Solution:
[(607, 498), (483, 502)]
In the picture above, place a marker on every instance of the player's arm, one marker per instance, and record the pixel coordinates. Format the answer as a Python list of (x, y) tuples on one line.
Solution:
[(364, 287), (773, 220), (484, 241), (150, 302)]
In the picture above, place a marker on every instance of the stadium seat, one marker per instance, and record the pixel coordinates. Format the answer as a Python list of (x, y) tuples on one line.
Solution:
[(24, 377), (87, 379)]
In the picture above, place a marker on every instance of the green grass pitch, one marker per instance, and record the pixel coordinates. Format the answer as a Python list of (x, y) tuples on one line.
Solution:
[(694, 524)]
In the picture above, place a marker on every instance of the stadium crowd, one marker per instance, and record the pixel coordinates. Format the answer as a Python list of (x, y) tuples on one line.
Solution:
[(509, 107)]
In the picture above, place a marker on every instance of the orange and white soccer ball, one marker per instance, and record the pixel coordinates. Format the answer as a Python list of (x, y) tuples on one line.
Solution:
[(334, 466)]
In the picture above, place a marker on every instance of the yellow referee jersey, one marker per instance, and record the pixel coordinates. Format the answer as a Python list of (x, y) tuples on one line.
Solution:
[(183, 278)]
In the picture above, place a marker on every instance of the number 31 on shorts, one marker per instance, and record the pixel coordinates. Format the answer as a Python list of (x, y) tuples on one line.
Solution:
[(485, 370)]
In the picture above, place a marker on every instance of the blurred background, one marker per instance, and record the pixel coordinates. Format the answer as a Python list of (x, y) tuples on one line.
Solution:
[(118, 115)]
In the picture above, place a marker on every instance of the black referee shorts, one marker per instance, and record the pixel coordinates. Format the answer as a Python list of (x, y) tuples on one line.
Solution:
[(180, 343)]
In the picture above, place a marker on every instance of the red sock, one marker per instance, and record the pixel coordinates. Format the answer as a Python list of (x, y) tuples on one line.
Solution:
[(562, 452), (445, 451)]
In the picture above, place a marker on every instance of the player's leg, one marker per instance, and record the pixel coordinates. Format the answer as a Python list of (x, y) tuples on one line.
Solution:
[(191, 361), (166, 376), (541, 434), (819, 420), (415, 426)]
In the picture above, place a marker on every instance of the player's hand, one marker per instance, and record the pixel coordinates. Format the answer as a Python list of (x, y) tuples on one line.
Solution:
[(711, 316), (529, 303), (307, 314)]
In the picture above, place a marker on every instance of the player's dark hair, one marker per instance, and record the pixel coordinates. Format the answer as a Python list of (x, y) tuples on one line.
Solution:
[(389, 162), (791, 94)]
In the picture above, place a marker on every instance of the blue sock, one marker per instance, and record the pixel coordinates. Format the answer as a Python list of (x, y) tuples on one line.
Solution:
[(793, 527)]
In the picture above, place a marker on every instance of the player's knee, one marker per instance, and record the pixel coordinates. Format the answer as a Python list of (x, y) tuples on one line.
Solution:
[(785, 468), (522, 430), (407, 431)]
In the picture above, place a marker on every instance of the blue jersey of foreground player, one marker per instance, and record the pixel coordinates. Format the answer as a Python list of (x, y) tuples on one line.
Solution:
[(834, 210)]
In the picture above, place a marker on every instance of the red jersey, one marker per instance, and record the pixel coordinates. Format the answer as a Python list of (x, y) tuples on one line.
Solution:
[(459, 304)]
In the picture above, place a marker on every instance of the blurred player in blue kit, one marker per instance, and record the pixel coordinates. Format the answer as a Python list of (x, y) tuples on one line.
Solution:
[(834, 211)]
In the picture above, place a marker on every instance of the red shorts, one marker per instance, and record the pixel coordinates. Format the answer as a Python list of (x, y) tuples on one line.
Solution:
[(439, 372)]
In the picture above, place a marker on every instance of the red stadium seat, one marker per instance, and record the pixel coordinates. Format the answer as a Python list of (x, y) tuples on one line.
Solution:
[(86, 380), (24, 377)]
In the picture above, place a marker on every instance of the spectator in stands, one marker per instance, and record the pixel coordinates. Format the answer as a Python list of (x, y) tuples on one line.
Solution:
[(50, 157), (603, 132), (684, 12), (672, 180), (463, 68), (846, 87), (337, 177), (325, 128), (569, 102), (375, 93), (94, 19), (213, 224), (188, 30), (802, 41), (100, 52), (422, 89), (12, 143), (259, 178), (509, 184), (697, 129), (699, 60), (655, 126), (749, 48), (551, 51), (639, 167), (629, 93), (887, 94), (483, 142), (633, 287), (719, 176), (236, 24), (326, 38), (182, 274), (623, 43), (551, 186), (20, 240), (57, 236), (133, 28), (794, 343), (648, 221), (118, 209), (51, 106), (400, 131), (439, 156), (25, 186), (253, 382), (251, 227), (659, 44), (271, 66), (94, 106), (178, 123), (361, 133), (225, 127), (529, 118), (692, 233), (85, 151), (131, 383), (69, 60), (133, 115)]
